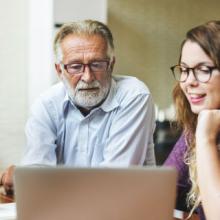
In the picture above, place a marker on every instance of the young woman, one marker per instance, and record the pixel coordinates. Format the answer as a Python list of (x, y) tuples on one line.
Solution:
[(196, 96)]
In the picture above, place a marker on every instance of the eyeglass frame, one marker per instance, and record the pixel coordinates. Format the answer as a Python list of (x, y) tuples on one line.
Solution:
[(210, 68), (84, 65)]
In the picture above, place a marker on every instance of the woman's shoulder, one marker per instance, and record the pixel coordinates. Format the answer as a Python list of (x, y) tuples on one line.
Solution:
[(176, 157)]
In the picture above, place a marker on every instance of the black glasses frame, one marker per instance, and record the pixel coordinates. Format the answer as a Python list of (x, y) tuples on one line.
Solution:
[(187, 69)]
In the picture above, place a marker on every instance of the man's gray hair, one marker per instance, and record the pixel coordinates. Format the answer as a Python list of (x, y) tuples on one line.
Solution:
[(85, 27)]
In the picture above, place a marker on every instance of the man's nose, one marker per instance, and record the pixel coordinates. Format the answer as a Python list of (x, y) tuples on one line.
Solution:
[(87, 75)]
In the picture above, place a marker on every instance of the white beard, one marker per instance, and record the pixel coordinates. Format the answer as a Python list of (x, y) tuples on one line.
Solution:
[(87, 99)]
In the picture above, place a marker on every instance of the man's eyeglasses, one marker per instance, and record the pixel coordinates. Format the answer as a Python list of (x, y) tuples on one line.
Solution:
[(95, 67), (202, 73)]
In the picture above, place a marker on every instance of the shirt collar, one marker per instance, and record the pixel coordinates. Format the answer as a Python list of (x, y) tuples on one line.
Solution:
[(108, 105), (110, 102), (66, 100)]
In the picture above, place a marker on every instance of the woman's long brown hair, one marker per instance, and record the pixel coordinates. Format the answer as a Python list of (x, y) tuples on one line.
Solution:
[(207, 36)]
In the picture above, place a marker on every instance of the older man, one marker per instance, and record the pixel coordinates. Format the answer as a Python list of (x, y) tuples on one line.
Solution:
[(91, 118)]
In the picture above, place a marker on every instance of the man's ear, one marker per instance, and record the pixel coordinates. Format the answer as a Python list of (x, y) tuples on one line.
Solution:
[(112, 64), (58, 69)]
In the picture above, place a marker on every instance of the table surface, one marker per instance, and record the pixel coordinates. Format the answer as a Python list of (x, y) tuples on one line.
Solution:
[(6, 198)]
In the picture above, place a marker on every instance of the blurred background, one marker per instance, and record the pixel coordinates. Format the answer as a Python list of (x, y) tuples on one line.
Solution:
[(147, 35)]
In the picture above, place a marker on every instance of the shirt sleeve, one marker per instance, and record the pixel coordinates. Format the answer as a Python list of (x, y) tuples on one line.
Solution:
[(40, 136), (130, 141)]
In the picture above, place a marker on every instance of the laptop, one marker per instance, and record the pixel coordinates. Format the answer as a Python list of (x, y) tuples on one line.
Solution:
[(146, 193)]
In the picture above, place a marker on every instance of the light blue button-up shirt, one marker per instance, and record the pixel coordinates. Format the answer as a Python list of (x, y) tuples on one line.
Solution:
[(117, 133)]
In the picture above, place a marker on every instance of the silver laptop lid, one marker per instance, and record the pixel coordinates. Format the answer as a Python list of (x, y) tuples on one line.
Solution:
[(95, 193)]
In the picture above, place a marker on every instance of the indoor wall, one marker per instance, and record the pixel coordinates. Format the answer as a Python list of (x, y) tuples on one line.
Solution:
[(148, 35), (13, 83)]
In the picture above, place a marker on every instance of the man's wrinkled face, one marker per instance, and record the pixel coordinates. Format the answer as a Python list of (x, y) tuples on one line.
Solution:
[(87, 85)]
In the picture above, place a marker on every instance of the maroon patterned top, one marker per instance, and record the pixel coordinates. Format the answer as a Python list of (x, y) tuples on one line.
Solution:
[(176, 159)]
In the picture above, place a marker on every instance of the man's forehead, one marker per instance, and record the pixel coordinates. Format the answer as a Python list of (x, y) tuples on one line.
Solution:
[(91, 47), (82, 41)]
